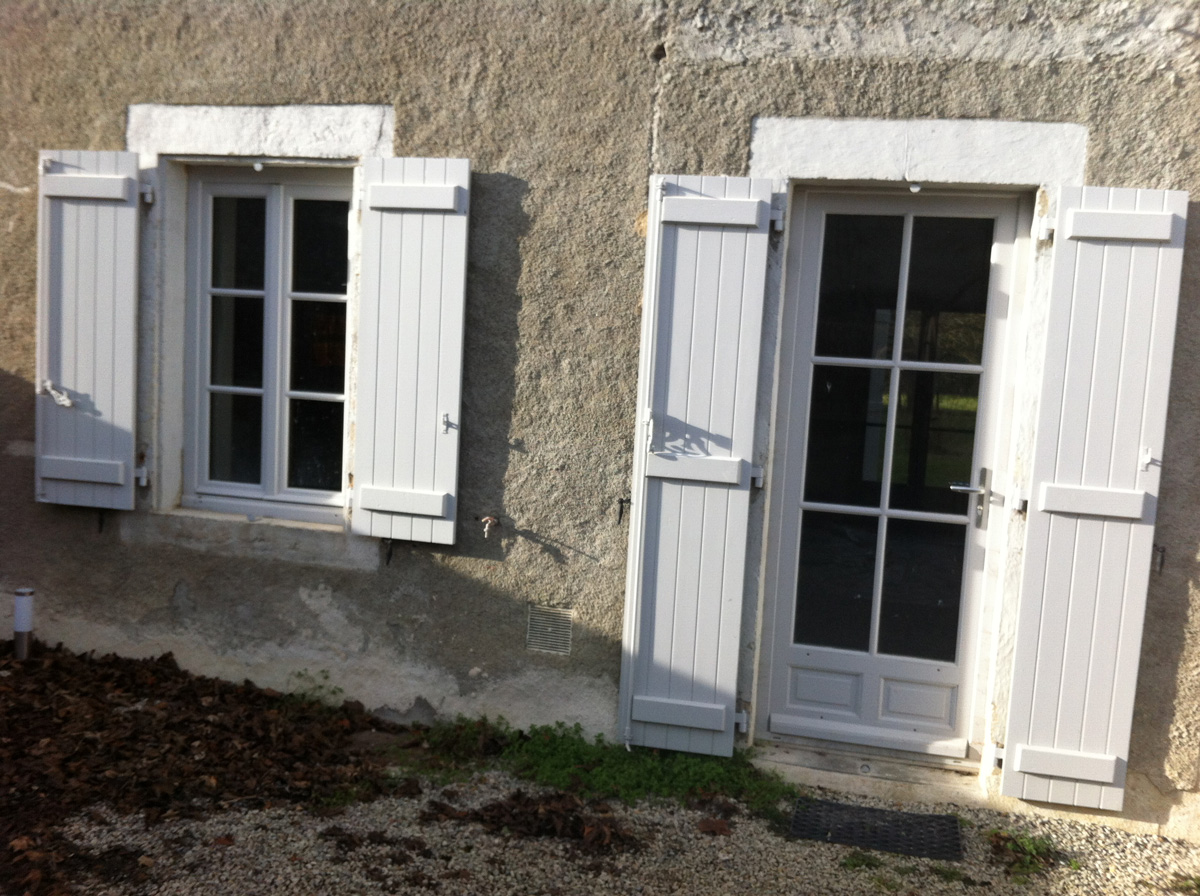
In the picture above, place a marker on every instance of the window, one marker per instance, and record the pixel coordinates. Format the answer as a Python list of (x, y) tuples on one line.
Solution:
[(254, 310), (267, 341)]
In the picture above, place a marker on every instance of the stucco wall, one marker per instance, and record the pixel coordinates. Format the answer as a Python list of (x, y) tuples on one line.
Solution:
[(564, 108)]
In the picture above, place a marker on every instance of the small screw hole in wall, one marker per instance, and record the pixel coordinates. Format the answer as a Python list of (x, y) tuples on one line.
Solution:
[(864, 769)]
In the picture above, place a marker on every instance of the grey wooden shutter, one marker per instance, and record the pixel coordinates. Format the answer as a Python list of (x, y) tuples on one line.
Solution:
[(1095, 481), (410, 348), (702, 323), (87, 328)]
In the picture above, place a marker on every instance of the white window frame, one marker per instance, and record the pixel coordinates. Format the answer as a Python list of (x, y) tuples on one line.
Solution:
[(280, 186), (170, 141)]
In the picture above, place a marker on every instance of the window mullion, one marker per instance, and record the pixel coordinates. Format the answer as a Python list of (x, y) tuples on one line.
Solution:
[(274, 352)]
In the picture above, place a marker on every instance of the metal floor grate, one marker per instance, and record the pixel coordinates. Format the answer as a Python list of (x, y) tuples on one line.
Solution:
[(927, 836)]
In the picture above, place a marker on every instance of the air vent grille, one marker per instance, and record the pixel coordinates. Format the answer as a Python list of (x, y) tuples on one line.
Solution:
[(549, 630)]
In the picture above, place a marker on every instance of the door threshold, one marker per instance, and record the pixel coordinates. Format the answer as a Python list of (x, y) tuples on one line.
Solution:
[(886, 774)]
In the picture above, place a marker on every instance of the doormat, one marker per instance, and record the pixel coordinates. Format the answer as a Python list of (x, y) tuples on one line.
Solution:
[(926, 836)]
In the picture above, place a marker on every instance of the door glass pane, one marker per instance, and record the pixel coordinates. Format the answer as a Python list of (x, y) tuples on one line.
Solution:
[(237, 341), (860, 276), (922, 584), (935, 440), (235, 438), (847, 423), (315, 445), (836, 580), (947, 289), (239, 237), (319, 239), (318, 346)]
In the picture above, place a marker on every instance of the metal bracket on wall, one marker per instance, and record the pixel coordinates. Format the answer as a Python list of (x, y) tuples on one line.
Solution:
[(778, 209)]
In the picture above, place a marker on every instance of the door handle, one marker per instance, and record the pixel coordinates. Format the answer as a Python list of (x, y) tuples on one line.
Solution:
[(982, 493)]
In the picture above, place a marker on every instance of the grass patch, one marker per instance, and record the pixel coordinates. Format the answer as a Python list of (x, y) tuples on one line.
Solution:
[(560, 756), (1185, 884)]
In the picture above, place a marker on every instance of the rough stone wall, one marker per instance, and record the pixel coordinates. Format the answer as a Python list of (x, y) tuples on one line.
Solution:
[(1129, 72), (550, 102), (564, 108)]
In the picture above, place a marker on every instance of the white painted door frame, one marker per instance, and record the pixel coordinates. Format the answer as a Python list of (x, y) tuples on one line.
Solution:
[(778, 717)]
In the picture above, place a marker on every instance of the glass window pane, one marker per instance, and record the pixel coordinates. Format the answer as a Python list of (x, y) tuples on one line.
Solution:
[(935, 440), (239, 236), (947, 289), (237, 341), (836, 581), (922, 584), (235, 438), (860, 276), (318, 346), (319, 240), (315, 445), (847, 423)]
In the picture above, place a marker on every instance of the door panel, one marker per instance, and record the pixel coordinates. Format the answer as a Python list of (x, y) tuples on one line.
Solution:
[(889, 327)]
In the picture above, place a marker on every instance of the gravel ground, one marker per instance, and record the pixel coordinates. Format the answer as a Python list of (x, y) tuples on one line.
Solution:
[(386, 846)]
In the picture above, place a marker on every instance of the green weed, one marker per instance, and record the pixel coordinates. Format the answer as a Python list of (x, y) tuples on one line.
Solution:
[(883, 882), (1022, 854), (946, 873), (857, 859), (1185, 884)]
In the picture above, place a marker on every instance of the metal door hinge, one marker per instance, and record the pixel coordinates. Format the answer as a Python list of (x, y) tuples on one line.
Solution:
[(778, 210)]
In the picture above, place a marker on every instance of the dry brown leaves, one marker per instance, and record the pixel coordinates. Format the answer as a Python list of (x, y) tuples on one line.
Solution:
[(144, 736)]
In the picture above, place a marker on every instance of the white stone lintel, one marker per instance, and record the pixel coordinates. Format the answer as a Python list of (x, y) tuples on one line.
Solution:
[(961, 151), (300, 131)]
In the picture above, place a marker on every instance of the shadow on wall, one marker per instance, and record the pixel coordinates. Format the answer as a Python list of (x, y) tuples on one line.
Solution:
[(498, 221), (35, 538)]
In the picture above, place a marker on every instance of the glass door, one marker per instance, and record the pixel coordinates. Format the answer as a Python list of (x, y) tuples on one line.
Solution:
[(886, 496)]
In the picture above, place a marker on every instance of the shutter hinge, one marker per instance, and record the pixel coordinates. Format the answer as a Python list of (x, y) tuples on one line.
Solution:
[(1043, 230), (778, 208), (147, 193), (142, 474), (741, 720), (757, 477)]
